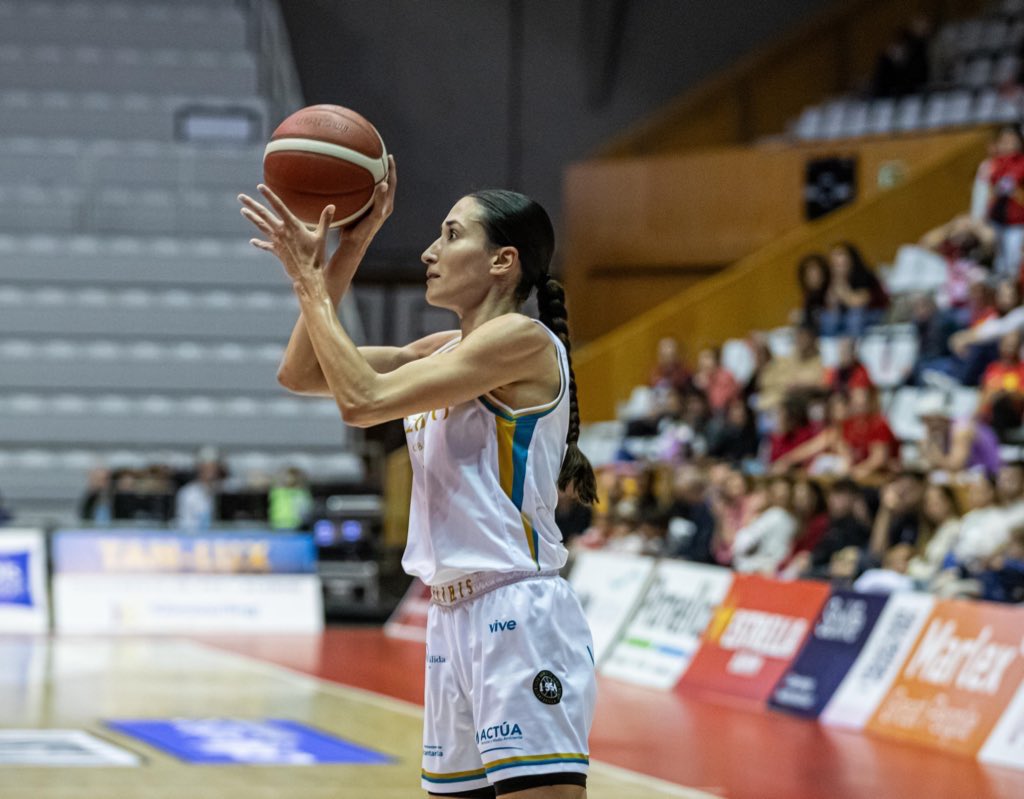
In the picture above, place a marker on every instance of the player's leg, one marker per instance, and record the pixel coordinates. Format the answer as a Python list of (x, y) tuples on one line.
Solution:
[(451, 762), (533, 688)]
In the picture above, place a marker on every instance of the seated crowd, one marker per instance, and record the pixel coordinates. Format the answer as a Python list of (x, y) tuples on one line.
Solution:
[(791, 468)]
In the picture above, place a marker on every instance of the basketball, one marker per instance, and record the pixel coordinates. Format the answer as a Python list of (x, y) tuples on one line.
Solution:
[(323, 155)]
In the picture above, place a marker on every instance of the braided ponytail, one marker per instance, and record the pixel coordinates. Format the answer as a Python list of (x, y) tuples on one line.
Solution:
[(576, 469), (514, 220)]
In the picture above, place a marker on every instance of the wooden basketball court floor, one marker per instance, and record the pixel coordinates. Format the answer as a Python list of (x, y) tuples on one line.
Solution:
[(364, 687)]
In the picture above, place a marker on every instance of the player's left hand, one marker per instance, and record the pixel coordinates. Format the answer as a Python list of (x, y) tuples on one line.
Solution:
[(299, 248)]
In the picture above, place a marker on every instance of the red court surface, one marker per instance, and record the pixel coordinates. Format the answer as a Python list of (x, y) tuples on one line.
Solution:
[(734, 751)]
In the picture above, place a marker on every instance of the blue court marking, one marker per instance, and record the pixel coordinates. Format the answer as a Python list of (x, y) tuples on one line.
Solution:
[(225, 741)]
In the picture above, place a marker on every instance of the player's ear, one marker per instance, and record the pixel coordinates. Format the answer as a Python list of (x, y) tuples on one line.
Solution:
[(503, 260)]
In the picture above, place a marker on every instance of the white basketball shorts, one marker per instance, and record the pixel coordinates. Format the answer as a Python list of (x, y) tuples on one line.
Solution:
[(510, 684)]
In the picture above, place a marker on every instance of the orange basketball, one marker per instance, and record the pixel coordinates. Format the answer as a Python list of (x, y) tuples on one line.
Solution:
[(323, 155)]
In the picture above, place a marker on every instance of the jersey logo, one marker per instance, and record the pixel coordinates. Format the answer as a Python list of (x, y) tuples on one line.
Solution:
[(547, 688)]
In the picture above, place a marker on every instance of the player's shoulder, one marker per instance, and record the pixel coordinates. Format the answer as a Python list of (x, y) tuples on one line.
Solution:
[(514, 326)]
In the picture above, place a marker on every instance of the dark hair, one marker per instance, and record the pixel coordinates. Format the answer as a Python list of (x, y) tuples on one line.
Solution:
[(817, 492), (845, 485), (1011, 127), (511, 219), (805, 266), (859, 269), (949, 494)]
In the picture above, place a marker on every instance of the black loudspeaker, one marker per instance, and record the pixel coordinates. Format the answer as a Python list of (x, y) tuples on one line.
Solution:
[(830, 183)]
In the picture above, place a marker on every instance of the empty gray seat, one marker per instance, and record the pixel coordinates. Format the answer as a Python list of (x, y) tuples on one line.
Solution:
[(170, 367), (127, 70), (124, 261), (74, 420), (189, 25), (138, 313), (103, 115)]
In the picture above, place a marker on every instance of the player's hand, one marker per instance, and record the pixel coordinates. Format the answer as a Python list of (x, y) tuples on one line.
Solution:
[(362, 231), (300, 249)]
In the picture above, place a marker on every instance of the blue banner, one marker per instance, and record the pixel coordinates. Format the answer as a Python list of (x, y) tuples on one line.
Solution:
[(278, 742), (173, 552), (839, 634), (15, 588)]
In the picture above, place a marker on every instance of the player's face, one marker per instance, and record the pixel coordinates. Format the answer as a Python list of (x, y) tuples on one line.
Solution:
[(458, 262)]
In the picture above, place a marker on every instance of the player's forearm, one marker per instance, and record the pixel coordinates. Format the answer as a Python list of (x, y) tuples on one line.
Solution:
[(348, 375), (300, 370)]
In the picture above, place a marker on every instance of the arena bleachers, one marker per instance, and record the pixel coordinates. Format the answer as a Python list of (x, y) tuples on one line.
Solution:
[(132, 308)]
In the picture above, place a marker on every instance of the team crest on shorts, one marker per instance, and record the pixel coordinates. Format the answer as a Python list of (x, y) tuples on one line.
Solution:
[(547, 688)]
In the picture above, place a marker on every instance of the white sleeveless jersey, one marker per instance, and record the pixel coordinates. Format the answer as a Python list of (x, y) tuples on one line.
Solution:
[(484, 485)]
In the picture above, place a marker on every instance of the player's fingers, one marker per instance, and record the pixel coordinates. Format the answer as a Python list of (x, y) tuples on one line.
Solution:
[(259, 209), (326, 217), (257, 220), (259, 244), (278, 205)]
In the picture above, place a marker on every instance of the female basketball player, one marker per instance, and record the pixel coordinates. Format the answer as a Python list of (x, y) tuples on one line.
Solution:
[(491, 420)]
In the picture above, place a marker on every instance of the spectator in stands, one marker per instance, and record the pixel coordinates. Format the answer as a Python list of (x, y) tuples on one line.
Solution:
[(1010, 492), (97, 504), (813, 274), (871, 446), (968, 245), (669, 371), (934, 328), (691, 524), (848, 373), (811, 513), (764, 544), (793, 428), (714, 381), (891, 577), (978, 345), (733, 436), (1003, 174), (898, 520), (855, 298), (762, 357), (289, 500), (801, 372), (941, 516), (1002, 579), (983, 533), (955, 445), (733, 505), (904, 66), (847, 528), (685, 436), (195, 502), (1002, 387)]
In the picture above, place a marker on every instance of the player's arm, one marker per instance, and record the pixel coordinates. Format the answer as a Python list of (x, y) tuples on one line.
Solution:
[(498, 353), (299, 370)]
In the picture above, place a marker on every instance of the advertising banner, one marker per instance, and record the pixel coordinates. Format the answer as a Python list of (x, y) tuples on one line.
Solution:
[(839, 634), (244, 742), (958, 679), (1005, 746), (52, 748), (409, 619), (609, 585), (660, 640), (23, 599), (170, 552), (187, 603), (754, 635), (879, 662)]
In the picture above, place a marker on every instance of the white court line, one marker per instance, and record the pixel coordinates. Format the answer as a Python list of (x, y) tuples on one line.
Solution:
[(411, 709)]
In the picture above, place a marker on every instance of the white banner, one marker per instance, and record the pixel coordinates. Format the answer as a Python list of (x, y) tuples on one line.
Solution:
[(187, 603), (879, 663), (608, 584), (23, 600), (49, 748), (1005, 745), (664, 633)]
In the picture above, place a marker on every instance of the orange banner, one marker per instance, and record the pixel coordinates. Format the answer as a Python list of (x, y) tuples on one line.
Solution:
[(754, 635), (960, 676)]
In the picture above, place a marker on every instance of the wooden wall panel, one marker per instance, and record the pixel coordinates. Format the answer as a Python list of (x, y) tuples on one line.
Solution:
[(699, 210), (758, 291)]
